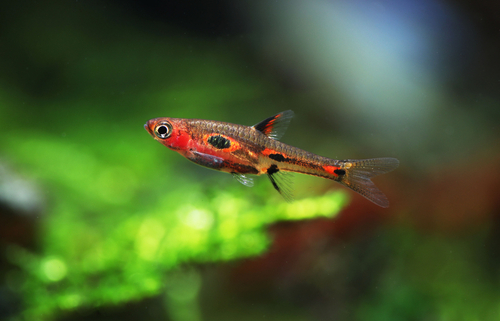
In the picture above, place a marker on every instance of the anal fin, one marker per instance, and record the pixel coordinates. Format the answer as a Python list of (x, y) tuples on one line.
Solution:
[(281, 181)]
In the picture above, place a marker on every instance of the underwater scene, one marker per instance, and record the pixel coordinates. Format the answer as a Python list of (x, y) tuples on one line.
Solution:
[(349, 158)]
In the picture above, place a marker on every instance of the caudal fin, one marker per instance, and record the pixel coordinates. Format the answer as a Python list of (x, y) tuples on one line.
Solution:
[(359, 173)]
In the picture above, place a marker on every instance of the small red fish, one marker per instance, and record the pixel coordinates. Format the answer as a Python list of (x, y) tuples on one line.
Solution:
[(243, 150)]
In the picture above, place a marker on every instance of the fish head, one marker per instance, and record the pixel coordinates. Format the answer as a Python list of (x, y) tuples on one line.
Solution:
[(171, 132)]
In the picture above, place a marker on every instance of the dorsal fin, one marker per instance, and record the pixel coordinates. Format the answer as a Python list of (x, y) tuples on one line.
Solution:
[(275, 126)]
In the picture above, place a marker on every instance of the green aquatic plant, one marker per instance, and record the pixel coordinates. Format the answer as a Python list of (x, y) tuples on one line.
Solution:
[(118, 224), (122, 213)]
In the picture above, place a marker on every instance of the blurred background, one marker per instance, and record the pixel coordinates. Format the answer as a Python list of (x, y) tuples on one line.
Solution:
[(100, 222)]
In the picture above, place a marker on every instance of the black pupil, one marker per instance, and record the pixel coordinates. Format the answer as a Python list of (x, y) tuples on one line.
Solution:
[(162, 130)]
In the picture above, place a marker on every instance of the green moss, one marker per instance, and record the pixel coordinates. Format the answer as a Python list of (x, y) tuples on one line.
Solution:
[(122, 211), (113, 230), (123, 254)]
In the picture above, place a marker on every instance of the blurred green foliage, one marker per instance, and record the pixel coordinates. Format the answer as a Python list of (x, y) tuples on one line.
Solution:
[(102, 253), (120, 215), (121, 210)]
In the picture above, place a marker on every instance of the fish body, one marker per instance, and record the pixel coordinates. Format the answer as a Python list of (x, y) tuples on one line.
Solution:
[(255, 150)]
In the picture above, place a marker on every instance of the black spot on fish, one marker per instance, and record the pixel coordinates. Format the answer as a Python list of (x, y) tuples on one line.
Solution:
[(339, 172), (277, 157), (272, 170), (218, 141)]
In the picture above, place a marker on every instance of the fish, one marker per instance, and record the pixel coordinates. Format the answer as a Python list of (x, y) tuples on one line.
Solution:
[(244, 151)]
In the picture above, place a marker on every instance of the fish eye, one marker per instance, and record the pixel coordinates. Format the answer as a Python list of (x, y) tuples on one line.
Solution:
[(163, 130)]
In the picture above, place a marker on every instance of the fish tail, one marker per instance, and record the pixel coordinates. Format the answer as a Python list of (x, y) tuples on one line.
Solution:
[(358, 174)]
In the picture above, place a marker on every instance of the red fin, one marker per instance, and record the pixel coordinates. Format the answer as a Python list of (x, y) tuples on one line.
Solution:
[(275, 126), (358, 173)]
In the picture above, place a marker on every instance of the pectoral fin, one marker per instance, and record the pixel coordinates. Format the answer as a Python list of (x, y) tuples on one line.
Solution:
[(206, 160)]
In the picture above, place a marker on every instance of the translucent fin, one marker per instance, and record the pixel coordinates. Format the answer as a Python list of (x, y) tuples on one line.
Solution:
[(243, 179), (275, 126), (282, 182), (359, 172)]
